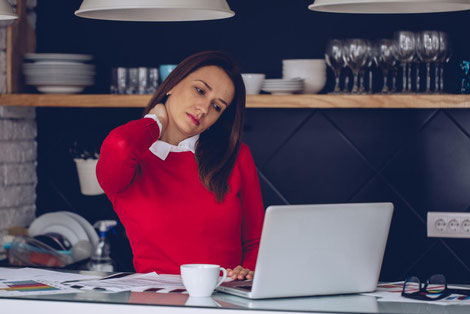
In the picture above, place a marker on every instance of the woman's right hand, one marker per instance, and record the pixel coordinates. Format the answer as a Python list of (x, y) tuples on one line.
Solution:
[(160, 111)]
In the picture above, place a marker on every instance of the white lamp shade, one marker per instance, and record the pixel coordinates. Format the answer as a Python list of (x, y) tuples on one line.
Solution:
[(155, 10), (6, 11), (389, 6)]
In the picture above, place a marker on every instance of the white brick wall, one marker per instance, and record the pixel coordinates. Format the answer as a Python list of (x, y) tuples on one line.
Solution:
[(18, 150), (17, 216)]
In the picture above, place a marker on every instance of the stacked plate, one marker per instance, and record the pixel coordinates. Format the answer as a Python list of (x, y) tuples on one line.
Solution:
[(283, 86), (57, 73)]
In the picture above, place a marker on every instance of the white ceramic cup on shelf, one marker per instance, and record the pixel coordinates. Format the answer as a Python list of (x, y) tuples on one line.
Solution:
[(253, 82), (200, 280)]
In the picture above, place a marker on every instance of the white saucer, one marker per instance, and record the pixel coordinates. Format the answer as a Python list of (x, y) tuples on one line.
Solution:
[(59, 81), (58, 223), (53, 89), (58, 56)]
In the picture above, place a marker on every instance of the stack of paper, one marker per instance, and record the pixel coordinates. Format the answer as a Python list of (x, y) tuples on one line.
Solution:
[(135, 282), (31, 281)]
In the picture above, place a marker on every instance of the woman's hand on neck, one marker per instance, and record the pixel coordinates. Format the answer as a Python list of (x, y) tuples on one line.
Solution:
[(160, 111), (168, 133), (172, 136)]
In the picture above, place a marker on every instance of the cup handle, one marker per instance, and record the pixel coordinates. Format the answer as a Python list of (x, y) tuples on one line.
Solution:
[(224, 271)]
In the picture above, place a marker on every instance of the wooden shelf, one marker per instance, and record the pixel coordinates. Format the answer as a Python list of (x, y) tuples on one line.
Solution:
[(253, 101)]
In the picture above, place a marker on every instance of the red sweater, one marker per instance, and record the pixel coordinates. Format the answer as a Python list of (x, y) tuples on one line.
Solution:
[(169, 216)]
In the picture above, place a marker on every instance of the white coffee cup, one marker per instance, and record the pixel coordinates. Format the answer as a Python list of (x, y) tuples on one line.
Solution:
[(200, 280), (253, 82)]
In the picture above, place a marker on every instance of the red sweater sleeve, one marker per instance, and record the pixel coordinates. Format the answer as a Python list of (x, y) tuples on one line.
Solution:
[(119, 154), (253, 208)]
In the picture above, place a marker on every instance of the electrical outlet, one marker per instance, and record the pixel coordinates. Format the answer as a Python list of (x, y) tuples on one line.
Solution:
[(448, 225)]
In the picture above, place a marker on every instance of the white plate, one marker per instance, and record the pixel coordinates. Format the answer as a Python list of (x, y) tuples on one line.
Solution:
[(70, 74), (58, 66), (282, 87), (58, 56), (70, 87), (60, 89), (59, 81), (282, 84), (286, 80), (58, 223), (59, 70), (281, 91), (90, 231)]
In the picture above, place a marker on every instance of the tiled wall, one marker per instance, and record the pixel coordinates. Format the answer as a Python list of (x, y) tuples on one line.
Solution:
[(18, 177), (419, 159)]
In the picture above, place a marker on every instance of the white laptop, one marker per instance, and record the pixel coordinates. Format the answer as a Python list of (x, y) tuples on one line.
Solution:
[(318, 250)]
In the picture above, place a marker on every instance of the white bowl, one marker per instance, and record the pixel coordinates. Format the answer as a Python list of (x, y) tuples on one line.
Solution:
[(253, 82), (303, 61)]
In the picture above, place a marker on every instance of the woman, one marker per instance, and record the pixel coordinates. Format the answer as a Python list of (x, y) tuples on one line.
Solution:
[(180, 180)]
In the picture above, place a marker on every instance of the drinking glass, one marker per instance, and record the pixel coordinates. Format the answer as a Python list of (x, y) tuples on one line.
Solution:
[(443, 57), (122, 78), (366, 67), (374, 62), (387, 58), (152, 80), (428, 51), (334, 59), (142, 85), (406, 42), (113, 87), (133, 81), (417, 62), (355, 56)]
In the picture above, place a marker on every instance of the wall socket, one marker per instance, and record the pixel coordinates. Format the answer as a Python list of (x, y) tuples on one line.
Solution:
[(448, 225)]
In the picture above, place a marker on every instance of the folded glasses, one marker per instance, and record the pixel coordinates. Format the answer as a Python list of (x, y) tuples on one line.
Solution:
[(435, 288)]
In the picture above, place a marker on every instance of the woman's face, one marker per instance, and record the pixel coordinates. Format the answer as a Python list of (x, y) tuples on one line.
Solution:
[(197, 101)]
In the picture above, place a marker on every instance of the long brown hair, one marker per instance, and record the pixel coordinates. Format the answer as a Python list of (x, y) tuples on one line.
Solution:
[(218, 146)]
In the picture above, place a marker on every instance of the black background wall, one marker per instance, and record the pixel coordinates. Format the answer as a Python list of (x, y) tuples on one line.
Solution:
[(417, 159)]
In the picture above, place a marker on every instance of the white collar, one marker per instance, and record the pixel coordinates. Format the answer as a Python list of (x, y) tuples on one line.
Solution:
[(161, 149)]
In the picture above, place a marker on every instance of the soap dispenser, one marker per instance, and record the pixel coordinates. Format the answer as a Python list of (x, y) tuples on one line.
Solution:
[(101, 259)]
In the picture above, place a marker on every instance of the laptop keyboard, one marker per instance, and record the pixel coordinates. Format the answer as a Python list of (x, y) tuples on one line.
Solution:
[(246, 288), (239, 284)]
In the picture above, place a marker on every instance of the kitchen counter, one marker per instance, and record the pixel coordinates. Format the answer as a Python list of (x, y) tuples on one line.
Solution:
[(150, 302)]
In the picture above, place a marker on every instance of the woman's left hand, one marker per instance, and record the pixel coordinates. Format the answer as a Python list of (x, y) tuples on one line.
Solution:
[(240, 273)]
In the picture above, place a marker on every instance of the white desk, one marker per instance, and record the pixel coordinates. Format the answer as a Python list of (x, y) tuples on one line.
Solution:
[(90, 302)]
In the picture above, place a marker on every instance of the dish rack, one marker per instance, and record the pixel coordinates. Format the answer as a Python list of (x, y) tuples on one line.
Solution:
[(27, 251)]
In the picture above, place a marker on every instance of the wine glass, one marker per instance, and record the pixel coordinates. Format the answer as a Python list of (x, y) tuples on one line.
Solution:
[(428, 51), (335, 60), (387, 58), (443, 56), (355, 56), (406, 43), (417, 62), (368, 67)]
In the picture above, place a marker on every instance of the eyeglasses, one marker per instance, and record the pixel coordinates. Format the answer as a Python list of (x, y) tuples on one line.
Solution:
[(435, 288)]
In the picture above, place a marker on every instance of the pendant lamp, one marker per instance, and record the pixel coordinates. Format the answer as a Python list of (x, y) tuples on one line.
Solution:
[(389, 6), (155, 10), (6, 11)]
